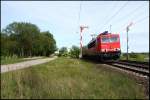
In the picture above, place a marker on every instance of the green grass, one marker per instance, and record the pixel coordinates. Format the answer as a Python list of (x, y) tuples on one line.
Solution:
[(136, 57), (11, 60), (69, 78)]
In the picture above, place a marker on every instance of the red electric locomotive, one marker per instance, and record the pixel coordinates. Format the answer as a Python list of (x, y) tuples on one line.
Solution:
[(104, 46)]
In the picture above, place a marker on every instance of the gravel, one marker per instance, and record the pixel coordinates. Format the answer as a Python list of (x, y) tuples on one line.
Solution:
[(25, 64)]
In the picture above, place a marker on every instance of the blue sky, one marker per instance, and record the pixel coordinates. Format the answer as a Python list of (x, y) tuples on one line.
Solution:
[(61, 18)]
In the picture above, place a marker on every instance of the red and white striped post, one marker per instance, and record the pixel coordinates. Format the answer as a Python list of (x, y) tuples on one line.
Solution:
[(128, 38), (81, 29)]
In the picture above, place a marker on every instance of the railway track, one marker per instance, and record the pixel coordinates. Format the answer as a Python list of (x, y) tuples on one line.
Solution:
[(139, 71), (138, 68)]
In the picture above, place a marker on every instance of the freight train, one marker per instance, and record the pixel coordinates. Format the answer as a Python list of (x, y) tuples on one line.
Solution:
[(104, 46)]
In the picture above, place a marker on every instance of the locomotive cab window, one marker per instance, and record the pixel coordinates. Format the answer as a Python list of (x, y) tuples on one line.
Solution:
[(114, 39), (105, 39)]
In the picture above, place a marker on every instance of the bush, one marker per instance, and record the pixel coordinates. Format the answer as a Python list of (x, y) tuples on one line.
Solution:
[(74, 52), (133, 55), (63, 52)]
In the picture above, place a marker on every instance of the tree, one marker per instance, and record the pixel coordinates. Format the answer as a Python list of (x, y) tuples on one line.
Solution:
[(50, 43), (63, 51), (74, 52), (24, 34), (4, 40), (25, 39)]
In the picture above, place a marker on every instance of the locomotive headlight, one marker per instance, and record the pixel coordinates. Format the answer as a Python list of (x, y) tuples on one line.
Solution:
[(103, 50), (118, 48)]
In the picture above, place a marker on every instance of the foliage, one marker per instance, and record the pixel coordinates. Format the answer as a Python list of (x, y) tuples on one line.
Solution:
[(74, 52), (133, 55), (63, 51), (25, 39)]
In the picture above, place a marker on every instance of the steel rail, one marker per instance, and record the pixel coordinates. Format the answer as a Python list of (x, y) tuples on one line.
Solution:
[(142, 69)]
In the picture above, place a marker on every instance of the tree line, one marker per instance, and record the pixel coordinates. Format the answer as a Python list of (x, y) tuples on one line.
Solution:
[(74, 52), (25, 39)]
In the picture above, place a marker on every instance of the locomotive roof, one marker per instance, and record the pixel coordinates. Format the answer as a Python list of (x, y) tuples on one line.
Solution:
[(101, 34), (106, 34), (92, 40)]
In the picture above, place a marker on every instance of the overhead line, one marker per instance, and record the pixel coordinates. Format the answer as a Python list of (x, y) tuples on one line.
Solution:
[(138, 21), (128, 21), (131, 13), (141, 20), (115, 13), (110, 9), (79, 15)]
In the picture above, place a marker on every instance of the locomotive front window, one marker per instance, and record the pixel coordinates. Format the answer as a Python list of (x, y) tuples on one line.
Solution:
[(110, 39), (114, 39), (104, 39)]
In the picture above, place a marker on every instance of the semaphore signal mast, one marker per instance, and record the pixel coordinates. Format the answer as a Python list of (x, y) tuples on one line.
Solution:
[(81, 29), (127, 29)]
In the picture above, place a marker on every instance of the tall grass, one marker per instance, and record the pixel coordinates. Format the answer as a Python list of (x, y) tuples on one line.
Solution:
[(10, 59), (69, 78), (13, 59)]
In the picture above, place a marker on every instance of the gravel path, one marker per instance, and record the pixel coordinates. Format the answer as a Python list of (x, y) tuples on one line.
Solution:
[(25, 64)]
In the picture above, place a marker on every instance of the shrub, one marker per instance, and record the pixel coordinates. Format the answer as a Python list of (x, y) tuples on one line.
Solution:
[(63, 52), (74, 52)]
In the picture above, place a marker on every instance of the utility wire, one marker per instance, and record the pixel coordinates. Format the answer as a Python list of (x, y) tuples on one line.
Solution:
[(78, 22), (79, 15), (108, 12), (137, 22), (115, 14), (130, 14), (128, 21), (142, 19)]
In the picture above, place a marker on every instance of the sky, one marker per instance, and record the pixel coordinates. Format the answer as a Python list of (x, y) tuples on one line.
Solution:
[(61, 18)]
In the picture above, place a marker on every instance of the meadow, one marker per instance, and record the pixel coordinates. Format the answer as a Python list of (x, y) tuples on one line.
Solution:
[(66, 78)]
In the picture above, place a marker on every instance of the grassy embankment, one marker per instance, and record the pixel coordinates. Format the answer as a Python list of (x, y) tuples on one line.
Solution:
[(136, 57), (69, 78)]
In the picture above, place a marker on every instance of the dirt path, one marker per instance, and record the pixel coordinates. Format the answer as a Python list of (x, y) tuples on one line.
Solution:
[(25, 64)]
